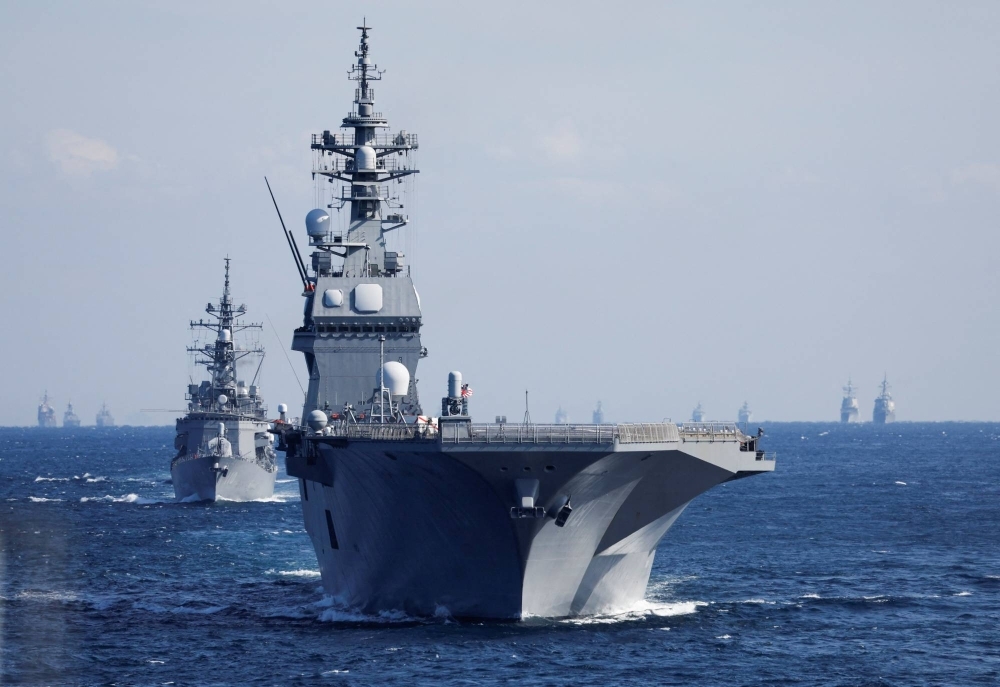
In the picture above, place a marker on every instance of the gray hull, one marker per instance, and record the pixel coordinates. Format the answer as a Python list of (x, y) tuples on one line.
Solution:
[(235, 480), (426, 527)]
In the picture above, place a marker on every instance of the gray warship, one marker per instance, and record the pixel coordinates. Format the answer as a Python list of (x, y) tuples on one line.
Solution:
[(698, 414), (849, 410), (433, 515), (224, 446), (745, 415), (104, 417), (70, 419), (885, 408), (46, 413)]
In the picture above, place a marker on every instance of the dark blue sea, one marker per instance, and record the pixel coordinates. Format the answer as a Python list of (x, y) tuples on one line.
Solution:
[(870, 557)]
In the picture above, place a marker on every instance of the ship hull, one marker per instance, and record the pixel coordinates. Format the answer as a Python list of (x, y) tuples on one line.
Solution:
[(239, 465), (234, 480), (849, 416), (428, 530)]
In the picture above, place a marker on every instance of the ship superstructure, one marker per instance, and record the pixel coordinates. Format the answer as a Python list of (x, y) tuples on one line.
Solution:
[(885, 408), (441, 514), (224, 446), (849, 409), (46, 413), (104, 417), (70, 418)]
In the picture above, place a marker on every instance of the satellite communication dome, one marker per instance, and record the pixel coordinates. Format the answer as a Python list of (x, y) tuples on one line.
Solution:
[(223, 399), (318, 223), (282, 408), (397, 378), (317, 420), (225, 335), (364, 158)]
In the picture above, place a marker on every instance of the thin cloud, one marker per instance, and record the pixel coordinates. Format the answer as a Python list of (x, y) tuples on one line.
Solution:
[(77, 155), (977, 174), (563, 143)]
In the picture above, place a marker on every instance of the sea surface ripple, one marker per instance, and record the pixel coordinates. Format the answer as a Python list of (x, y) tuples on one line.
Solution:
[(870, 557)]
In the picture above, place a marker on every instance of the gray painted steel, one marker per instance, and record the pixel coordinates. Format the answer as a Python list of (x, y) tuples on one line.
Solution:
[(849, 410), (885, 408), (432, 515), (224, 445)]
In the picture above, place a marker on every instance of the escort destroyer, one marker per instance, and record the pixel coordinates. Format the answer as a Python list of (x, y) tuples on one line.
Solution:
[(442, 514), (224, 446)]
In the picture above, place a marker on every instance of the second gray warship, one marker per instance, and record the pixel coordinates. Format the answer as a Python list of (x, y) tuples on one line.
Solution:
[(104, 417), (224, 446), (885, 408), (849, 412), (745, 416), (434, 515), (698, 414), (70, 419), (46, 413)]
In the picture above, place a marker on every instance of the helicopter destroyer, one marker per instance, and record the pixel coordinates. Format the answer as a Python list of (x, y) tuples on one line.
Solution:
[(224, 446), (70, 419), (46, 413), (885, 408), (441, 514), (849, 411)]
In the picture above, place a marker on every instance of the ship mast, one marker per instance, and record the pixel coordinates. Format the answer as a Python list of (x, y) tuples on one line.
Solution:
[(221, 355), (366, 161)]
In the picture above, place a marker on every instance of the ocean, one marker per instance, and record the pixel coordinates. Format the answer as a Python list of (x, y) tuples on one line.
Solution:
[(870, 557)]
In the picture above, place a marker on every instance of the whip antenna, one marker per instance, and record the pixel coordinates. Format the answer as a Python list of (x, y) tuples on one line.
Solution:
[(292, 246)]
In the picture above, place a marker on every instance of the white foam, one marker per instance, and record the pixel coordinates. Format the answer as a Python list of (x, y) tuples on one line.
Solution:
[(823, 434), (93, 480), (723, 637), (333, 611), (335, 672), (190, 498), (52, 479), (902, 484), (294, 573), (758, 601), (128, 498), (41, 499), (285, 481), (277, 498), (963, 594), (810, 596), (640, 611)]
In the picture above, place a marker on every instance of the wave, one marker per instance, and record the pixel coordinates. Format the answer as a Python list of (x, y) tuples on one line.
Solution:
[(963, 594), (276, 498), (902, 484), (294, 573), (128, 498), (333, 611), (644, 610), (52, 479), (41, 499)]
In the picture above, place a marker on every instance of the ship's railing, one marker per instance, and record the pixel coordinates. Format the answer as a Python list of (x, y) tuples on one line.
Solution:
[(562, 434), (364, 192), (345, 139), (380, 432), (710, 431), (336, 165)]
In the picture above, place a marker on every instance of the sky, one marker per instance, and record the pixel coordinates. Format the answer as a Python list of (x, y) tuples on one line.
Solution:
[(647, 204)]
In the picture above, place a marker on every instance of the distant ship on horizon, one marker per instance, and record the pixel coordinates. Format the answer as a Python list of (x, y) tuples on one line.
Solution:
[(885, 407), (745, 414), (46, 413), (70, 419), (849, 409), (698, 414), (598, 416), (104, 417)]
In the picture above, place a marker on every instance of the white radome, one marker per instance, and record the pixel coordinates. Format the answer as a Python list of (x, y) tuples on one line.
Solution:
[(397, 378)]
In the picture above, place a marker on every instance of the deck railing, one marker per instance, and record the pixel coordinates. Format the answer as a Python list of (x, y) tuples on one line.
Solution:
[(468, 433)]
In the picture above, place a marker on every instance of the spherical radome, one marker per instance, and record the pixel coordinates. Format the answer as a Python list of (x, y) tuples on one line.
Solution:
[(318, 223), (397, 378)]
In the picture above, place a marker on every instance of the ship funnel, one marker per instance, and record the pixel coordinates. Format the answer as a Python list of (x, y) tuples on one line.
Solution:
[(454, 385), (395, 377)]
